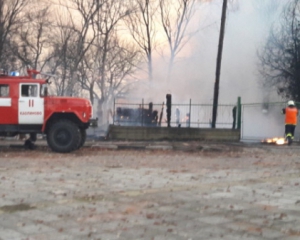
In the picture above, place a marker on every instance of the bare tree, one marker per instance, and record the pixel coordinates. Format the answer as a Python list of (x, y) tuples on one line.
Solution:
[(108, 20), (82, 16), (62, 56), (88, 75), (10, 20), (119, 66), (31, 39), (280, 57), (141, 24), (175, 16), (108, 61)]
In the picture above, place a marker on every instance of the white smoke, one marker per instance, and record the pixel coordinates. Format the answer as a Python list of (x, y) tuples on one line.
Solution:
[(247, 28)]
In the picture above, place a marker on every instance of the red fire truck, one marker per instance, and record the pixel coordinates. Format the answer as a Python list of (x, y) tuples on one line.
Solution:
[(26, 108)]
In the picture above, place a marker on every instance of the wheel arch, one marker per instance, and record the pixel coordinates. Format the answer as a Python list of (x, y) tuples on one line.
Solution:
[(58, 116)]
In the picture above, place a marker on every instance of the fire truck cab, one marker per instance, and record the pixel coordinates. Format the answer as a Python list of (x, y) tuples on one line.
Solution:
[(26, 108)]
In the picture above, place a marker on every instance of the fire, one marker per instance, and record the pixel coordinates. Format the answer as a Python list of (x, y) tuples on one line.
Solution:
[(275, 140), (280, 141)]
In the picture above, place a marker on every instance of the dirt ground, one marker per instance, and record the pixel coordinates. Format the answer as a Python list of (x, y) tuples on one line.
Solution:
[(188, 191)]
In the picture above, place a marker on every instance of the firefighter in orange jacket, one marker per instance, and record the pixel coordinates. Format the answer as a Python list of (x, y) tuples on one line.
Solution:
[(291, 113)]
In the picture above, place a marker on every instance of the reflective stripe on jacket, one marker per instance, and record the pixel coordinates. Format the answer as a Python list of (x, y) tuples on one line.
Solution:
[(291, 115)]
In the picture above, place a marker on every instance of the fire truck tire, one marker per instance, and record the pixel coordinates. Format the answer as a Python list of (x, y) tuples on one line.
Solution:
[(63, 136), (83, 137)]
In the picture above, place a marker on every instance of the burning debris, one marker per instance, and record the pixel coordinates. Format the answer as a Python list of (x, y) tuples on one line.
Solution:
[(137, 116), (275, 140)]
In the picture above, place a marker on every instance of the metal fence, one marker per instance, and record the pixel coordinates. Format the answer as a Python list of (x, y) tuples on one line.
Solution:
[(182, 115), (256, 121)]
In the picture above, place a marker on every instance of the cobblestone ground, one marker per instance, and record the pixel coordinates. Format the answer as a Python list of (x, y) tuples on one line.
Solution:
[(211, 192)]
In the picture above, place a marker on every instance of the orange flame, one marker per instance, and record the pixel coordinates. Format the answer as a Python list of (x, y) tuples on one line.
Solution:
[(275, 140), (280, 141)]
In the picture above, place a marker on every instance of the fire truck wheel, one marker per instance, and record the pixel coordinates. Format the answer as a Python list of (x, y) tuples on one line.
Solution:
[(83, 137), (63, 136)]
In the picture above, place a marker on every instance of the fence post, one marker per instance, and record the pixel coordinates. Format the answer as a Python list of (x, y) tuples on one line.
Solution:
[(190, 112), (239, 113), (114, 112), (142, 112)]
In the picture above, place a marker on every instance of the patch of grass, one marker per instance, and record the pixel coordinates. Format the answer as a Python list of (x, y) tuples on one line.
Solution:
[(16, 208)]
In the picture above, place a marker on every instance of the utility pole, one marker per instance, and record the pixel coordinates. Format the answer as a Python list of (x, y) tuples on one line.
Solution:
[(218, 68)]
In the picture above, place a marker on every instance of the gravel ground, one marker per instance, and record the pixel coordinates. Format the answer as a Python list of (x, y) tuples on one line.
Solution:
[(188, 191)]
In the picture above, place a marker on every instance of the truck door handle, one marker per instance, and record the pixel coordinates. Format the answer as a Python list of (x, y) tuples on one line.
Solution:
[(21, 100)]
